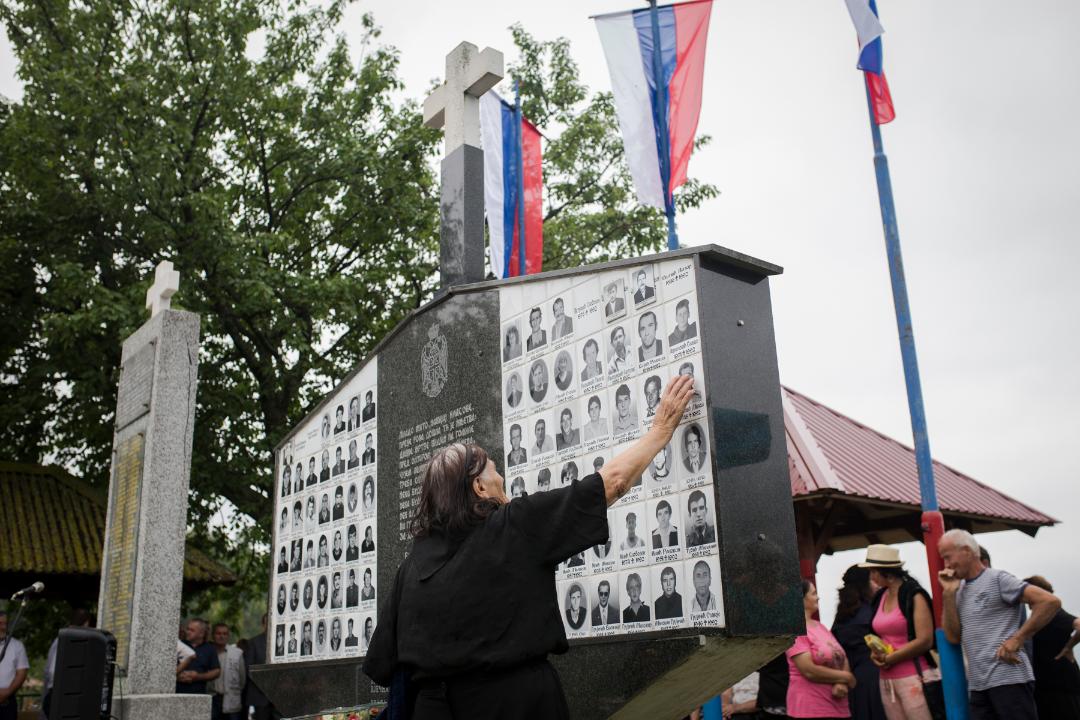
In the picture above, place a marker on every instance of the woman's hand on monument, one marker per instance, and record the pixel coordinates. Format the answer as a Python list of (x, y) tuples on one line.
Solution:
[(673, 404)]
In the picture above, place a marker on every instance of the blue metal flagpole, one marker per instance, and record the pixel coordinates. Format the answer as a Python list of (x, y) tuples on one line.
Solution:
[(660, 113), (954, 683), (522, 270)]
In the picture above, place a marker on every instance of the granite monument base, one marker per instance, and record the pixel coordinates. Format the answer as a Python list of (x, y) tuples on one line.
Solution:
[(166, 706)]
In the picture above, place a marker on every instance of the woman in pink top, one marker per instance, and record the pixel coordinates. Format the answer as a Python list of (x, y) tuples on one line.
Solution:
[(818, 668), (903, 619)]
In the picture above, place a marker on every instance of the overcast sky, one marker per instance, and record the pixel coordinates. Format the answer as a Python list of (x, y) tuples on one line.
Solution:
[(984, 156)]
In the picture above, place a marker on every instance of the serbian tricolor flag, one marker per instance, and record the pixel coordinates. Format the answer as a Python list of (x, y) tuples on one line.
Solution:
[(511, 151), (627, 38), (868, 28)]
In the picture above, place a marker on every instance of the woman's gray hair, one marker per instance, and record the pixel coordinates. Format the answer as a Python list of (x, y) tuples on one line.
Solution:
[(962, 538)]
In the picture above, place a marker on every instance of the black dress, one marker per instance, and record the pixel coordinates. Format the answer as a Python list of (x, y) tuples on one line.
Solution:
[(1057, 682), (865, 699), (478, 617)]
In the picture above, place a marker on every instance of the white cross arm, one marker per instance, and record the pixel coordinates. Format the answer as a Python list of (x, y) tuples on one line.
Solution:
[(454, 105), (166, 282)]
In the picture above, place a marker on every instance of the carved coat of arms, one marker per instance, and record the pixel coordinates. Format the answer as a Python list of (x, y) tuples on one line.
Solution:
[(433, 363)]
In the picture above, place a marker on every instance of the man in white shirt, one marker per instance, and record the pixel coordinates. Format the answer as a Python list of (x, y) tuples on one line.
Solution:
[(13, 671), (543, 440), (228, 687)]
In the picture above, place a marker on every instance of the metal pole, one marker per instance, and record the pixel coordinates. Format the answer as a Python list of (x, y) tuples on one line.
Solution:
[(661, 118), (522, 269), (953, 679)]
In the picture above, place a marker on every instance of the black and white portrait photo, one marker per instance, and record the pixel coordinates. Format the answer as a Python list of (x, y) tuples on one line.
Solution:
[(543, 480), (324, 552), (513, 390), (339, 419), (601, 552), (298, 477), (664, 533), (335, 635), (683, 329), (339, 546), (562, 325), (293, 643), (564, 370), (368, 458), (335, 591), (354, 455), (669, 604), (568, 474), (368, 412), (368, 493), (281, 599), (542, 441), (704, 598), (307, 641), (309, 594), (352, 499), (596, 424), (644, 286), (320, 637), (574, 606), (537, 335), (283, 561), (324, 471), (294, 596), (598, 462), (625, 418), (309, 554), (591, 366), (324, 509), (325, 426), (296, 563), (279, 640), (636, 610), (322, 592), (338, 511), (606, 609), (517, 455), (367, 592), (651, 389), (619, 358), (369, 630), (368, 546), (286, 481), (568, 436), (659, 472), (614, 304), (538, 381), (517, 488), (351, 638), (310, 515), (650, 346), (630, 538), (352, 552), (298, 514), (354, 412), (511, 349), (694, 452), (283, 524), (700, 527), (352, 590)]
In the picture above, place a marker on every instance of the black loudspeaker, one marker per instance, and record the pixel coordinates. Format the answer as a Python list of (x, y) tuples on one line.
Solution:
[(82, 685)]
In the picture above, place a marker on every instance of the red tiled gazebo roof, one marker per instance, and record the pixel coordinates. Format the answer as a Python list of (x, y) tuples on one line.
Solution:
[(870, 482)]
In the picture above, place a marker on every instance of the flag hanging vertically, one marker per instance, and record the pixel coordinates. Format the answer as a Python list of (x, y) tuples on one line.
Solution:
[(627, 39), (868, 28), (512, 171)]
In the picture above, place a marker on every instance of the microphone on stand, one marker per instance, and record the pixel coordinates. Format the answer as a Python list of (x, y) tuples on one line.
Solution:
[(35, 588)]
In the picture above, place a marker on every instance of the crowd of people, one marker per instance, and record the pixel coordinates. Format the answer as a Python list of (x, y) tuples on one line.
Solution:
[(208, 663), (879, 660)]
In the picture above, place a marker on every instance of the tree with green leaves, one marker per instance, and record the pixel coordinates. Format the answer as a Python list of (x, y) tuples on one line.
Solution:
[(295, 196)]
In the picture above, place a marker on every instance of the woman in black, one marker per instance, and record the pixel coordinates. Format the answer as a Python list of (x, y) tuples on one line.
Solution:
[(1057, 678), (851, 626), (473, 612)]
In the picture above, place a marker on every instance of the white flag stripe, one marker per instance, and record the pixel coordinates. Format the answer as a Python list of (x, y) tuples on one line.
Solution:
[(618, 36), (867, 26), (491, 139)]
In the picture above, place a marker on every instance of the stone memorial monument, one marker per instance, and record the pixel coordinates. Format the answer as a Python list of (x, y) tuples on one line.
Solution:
[(553, 374), (143, 557)]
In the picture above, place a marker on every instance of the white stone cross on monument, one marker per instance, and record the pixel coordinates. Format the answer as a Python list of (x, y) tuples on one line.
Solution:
[(166, 282), (455, 105)]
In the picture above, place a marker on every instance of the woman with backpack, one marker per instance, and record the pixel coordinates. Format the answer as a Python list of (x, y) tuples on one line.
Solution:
[(904, 619)]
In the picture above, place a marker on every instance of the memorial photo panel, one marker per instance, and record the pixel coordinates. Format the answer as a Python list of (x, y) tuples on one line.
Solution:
[(595, 383), (326, 525)]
